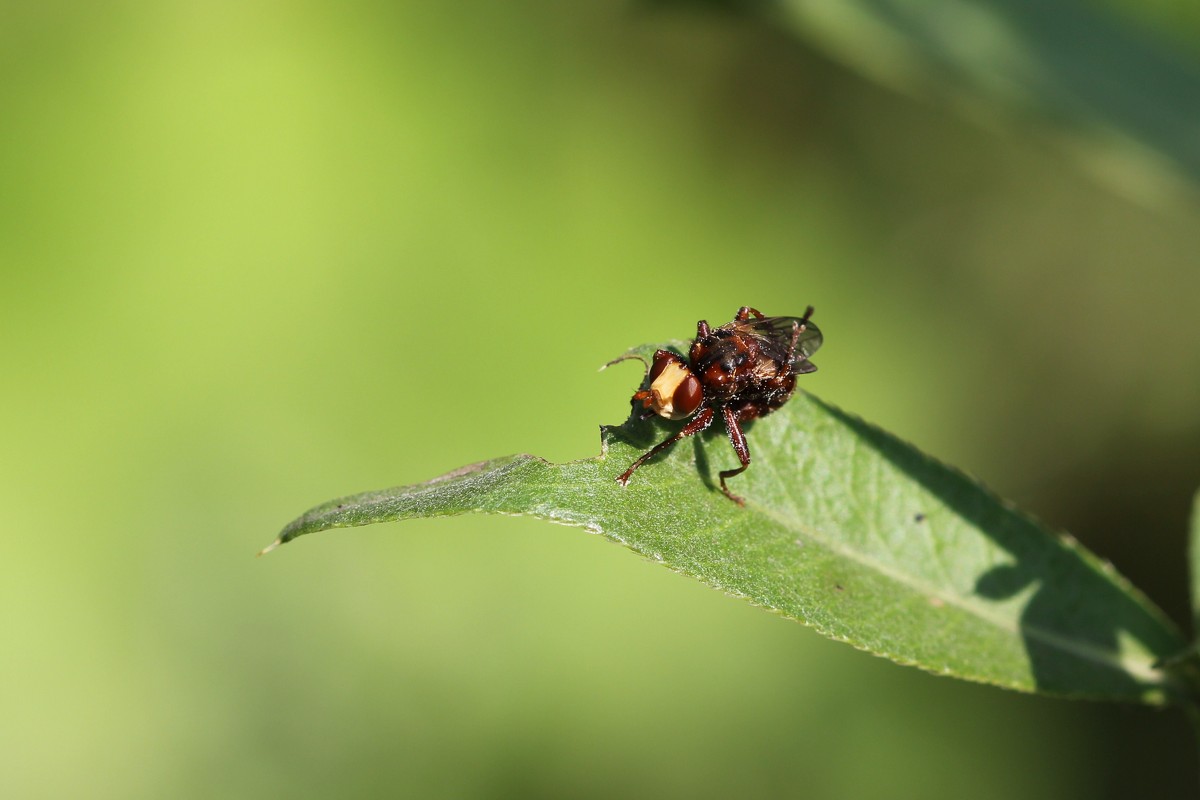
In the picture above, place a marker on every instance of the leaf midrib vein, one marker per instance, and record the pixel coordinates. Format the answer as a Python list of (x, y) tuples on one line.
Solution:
[(1138, 668)]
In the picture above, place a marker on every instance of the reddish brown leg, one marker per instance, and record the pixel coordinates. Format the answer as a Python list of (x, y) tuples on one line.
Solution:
[(697, 424), (738, 439), (702, 329), (744, 313), (797, 327)]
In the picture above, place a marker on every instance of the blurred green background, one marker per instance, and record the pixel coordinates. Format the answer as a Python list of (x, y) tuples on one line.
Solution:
[(255, 256)]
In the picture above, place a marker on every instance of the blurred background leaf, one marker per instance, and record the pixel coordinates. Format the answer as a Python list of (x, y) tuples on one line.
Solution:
[(256, 255), (1194, 559), (1124, 105)]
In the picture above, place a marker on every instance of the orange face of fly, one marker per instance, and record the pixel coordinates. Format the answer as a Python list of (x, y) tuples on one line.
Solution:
[(674, 393)]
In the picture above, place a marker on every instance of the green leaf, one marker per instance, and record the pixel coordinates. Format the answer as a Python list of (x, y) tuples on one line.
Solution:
[(1184, 667), (846, 529), (1126, 105), (1194, 564)]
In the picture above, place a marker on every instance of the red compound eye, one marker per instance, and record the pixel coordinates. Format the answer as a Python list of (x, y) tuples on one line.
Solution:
[(688, 397), (661, 359)]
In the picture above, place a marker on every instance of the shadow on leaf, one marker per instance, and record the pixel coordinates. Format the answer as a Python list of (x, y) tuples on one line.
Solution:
[(1076, 614)]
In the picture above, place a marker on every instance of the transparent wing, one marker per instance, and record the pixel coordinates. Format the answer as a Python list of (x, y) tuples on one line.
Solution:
[(775, 336)]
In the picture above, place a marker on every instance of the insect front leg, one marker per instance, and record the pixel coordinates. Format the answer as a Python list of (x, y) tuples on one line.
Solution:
[(697, 424), (738, 439)]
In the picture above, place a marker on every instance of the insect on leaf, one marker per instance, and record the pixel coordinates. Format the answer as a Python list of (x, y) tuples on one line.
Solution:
[(846, 529)]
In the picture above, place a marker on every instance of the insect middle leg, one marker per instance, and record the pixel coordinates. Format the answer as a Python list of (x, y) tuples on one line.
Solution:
[(697, 424), (738, 439), (744, 313)]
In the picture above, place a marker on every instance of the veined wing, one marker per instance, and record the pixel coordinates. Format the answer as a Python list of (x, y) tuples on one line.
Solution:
[(774, 335)]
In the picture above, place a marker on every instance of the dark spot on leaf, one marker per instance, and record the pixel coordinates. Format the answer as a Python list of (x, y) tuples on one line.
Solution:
[(839, 587), (919, 517)]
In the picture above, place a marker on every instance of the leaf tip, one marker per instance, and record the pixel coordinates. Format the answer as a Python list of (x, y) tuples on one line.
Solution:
[(269, 548)]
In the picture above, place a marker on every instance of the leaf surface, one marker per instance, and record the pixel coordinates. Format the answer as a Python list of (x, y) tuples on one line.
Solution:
[(846, 529)]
